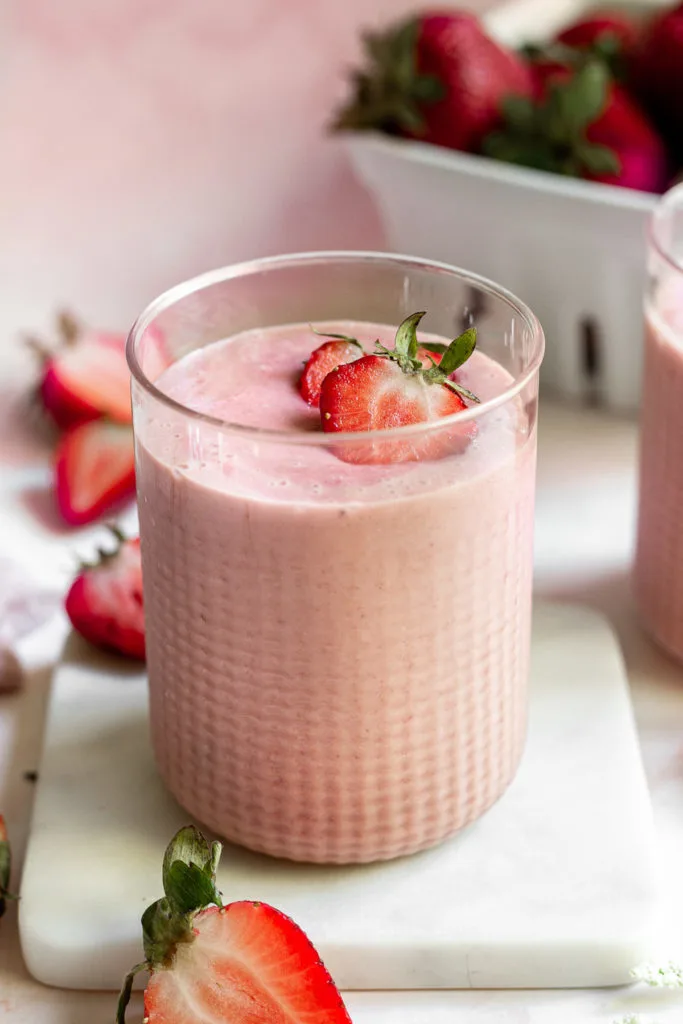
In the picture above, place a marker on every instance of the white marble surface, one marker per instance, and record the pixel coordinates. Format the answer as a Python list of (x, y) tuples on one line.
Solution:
[(585, 521), (554, 887)]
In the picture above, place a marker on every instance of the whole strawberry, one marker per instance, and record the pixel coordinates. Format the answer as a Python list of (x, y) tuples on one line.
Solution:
[(582, 124), (85, 377), (437, 77), (658, 75), (604, 32), (240, 963), (94, 470), (104, 603)]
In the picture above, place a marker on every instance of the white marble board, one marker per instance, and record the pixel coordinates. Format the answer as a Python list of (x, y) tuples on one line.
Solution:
[(552, 888)]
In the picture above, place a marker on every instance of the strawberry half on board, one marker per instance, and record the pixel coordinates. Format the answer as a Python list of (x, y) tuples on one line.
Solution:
[(242, 963), (94, 470), (104, 602), (394, 388), (86, 377)]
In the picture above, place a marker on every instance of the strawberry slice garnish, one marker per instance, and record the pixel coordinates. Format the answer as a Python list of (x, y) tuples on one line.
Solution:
[(94, 470), (243, 963), (104, 602), (339, 350), (87, 377), (396, 388)]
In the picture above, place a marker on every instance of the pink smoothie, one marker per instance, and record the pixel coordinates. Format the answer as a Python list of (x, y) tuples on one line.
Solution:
[(659, 556), (338, 653)]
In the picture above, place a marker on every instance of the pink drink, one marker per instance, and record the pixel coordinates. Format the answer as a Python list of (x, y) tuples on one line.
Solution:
[(659, 558), (338, 653), (658, 575)]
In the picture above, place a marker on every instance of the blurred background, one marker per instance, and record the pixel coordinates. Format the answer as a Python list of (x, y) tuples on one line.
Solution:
[(144, 141)]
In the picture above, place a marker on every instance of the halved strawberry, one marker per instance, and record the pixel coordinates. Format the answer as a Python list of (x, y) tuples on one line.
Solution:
[(244, 963), (87, 377), (393, 388), (94, 470), (338, 351), (104, 603)]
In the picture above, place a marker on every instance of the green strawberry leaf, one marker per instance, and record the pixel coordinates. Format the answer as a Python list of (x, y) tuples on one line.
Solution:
[(406, 343), (519, 112), (434, 346), (598, 159), (162, 930), (582, 99), (190, 888), (458, 352), (189, 871), (460, 390), (336, 337)]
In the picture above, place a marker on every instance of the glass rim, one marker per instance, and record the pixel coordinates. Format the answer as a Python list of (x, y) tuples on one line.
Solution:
[(233, 271), (672, 199)]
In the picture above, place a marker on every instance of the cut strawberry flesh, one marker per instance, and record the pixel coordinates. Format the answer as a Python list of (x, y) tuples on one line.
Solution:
[(321, 362), (248, 964), (94, 374), (374, 394), (94, 470)]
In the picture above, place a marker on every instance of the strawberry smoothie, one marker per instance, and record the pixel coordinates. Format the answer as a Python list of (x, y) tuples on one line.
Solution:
[(659, 556), (338, 652)]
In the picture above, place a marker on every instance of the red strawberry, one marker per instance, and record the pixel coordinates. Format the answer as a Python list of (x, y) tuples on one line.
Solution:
[(583, 125), (394, 389), (438, 77), (94, 470), (87, 377), (624, 128), (243, 963), (5, 866), (104, 602), (658, 74), (604, 31), (339, 350)]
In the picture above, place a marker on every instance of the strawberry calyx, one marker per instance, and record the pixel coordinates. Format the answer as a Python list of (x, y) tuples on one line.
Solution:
[(5, 867), (389, 92), (407, 350), (68, 332), (105, 555), (550, 134), (337, 337), (189, 883)]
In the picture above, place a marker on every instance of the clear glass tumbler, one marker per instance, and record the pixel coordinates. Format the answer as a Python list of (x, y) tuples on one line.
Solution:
[(338, 652), (659, 551)]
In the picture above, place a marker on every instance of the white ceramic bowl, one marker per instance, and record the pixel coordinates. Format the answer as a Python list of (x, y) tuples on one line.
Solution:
[(573, 250)]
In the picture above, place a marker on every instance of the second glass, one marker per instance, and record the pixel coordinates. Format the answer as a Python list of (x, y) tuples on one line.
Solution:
[(338, 652)]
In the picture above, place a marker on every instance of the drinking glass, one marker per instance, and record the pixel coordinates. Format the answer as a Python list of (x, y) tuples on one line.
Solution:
[(658, 573), (338, 642)]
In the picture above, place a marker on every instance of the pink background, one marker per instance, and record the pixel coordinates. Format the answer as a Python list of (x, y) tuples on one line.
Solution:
[(144, 141)]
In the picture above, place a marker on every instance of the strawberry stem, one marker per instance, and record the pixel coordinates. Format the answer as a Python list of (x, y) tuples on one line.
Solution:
[(189, 880), (454, 355), (336, 337), (68, 327), (126, 991)]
